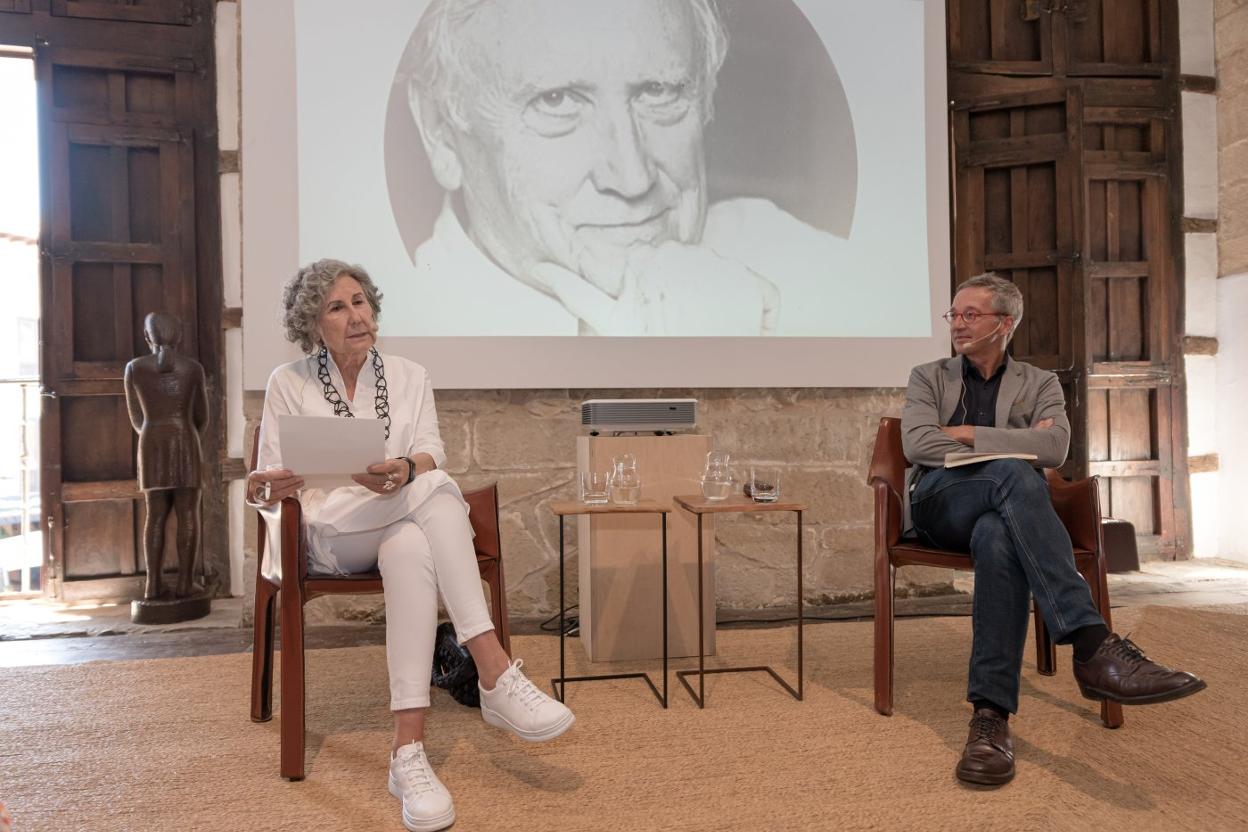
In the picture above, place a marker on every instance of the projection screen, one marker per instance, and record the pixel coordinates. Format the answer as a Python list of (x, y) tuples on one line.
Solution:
[(606, 194)]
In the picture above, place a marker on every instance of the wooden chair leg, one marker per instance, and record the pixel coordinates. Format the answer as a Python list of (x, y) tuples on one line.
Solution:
[(1046, 650), (292, 730), (263, 627), (884, 586)]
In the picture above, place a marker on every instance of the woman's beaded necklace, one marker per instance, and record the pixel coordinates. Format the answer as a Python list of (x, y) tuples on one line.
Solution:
[(381, 399)]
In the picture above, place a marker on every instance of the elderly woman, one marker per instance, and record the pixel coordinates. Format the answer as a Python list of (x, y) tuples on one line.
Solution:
[(405, 517)]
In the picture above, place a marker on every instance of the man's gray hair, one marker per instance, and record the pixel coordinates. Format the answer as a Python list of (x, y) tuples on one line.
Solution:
[(303, 299), (437, 71), (1006, 297)]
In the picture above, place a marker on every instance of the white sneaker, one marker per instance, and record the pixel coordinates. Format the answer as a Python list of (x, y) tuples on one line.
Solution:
[(426, 802), (515, 704)]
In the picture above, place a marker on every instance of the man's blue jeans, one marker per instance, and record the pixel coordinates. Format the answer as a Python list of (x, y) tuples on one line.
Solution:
[(1001, 512)]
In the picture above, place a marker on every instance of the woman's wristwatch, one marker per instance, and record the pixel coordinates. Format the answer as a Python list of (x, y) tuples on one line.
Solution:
[(411, 469)]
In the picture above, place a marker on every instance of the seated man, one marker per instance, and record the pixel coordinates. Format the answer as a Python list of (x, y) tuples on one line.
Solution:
[(1001, 512)]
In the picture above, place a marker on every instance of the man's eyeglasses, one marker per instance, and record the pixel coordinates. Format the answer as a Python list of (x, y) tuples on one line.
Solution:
[(970, 316)]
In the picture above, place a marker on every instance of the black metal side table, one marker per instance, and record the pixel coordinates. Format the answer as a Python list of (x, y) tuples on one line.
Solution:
[(699, 506), (565, 508)]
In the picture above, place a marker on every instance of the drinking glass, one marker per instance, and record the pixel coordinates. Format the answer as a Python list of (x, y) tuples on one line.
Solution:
[(764, 483), (594, 487)]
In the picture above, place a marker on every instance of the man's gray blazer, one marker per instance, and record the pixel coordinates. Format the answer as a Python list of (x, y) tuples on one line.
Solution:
[(1027, 395)]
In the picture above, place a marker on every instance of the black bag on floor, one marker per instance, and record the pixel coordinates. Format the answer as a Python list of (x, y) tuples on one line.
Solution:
[(453, 668)]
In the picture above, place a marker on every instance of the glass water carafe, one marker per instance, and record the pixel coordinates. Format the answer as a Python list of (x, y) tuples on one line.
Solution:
[(717, 476), (624, 485)]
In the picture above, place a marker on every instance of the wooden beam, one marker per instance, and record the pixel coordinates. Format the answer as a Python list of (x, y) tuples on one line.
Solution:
[(1203, 464), (1199, 345), (227, 161), (1198, 83), (1199, 225)]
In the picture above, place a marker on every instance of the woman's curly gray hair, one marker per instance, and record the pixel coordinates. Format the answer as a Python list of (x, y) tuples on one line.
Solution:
[(303, 299)]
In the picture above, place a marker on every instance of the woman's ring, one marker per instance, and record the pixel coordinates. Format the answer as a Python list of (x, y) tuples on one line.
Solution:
[(263, 492), (389, 486)]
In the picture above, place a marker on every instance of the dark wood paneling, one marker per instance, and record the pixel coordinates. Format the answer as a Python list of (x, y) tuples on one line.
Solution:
[(999, 36), (1113, 37), (101, 536), (84, 421), (1104, 303), (130, 226), (1015, 158)]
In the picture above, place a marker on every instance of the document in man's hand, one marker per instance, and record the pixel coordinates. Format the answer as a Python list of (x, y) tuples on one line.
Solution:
[(327, 450), (955, 459)]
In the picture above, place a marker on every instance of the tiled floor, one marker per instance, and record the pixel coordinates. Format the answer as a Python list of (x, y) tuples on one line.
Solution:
[(38, 632)]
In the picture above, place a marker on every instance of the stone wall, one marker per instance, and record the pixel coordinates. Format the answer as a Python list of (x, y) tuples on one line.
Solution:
[(1231, 39), (525, 440)]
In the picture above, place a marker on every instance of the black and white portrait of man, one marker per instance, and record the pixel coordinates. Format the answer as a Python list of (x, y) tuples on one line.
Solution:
[(639, 168)]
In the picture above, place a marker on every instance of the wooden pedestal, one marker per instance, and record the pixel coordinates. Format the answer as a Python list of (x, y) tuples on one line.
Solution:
[(620, 586)]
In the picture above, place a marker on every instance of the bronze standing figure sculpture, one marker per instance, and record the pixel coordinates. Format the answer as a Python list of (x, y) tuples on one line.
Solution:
[(168, 403)]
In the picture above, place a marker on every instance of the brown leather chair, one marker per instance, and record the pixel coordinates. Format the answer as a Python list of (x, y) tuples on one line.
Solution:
[(1076, 503), (297, 588)]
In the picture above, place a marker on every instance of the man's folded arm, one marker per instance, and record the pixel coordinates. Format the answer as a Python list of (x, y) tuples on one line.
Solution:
[(1048, 444), (922, 440)]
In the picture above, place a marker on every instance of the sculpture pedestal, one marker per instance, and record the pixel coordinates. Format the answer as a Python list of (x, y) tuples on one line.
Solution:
[(170, 610)]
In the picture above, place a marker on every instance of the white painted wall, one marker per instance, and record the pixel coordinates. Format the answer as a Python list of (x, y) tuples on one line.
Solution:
[(226, 44), (1200, 199), (1196, 55), (1232, 415)]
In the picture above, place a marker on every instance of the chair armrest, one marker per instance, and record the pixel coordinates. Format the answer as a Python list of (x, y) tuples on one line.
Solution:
[(1078, 505), (293, 563), (888, 511)]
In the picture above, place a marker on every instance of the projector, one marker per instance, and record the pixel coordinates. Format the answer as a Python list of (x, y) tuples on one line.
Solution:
[(659, 415)]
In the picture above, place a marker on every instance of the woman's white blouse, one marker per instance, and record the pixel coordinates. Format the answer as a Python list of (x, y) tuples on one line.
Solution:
[(295, 389)]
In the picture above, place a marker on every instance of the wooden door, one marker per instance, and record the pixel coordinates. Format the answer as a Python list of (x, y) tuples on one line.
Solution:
[(1084, 214), (1134, 386), (118, 241)]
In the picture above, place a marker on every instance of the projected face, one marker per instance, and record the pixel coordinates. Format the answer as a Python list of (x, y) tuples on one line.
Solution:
[(582, 133)]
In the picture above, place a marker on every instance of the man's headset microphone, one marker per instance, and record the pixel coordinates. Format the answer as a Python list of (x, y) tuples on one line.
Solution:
[(990, 333)]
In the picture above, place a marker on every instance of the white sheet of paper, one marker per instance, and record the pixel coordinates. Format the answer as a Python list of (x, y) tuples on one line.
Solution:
[(327, 450)]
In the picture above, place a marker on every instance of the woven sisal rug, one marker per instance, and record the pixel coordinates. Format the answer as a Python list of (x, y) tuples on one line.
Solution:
[(166, 744)]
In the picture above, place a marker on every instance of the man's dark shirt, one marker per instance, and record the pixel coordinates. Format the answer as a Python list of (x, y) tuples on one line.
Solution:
[(978, 405)]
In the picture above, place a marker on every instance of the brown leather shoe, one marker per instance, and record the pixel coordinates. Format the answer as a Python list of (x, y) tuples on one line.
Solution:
[(988, 758), (1120, 672)]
